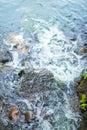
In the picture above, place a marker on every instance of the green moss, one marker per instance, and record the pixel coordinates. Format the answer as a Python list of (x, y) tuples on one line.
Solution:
[(85, 75), (83, 106), (83, 99), (83, 102)]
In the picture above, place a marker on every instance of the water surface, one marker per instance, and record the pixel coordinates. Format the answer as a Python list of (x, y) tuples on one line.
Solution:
[(52, 31)]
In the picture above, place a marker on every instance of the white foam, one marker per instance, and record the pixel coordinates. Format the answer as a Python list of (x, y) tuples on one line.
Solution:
[(58, 56)]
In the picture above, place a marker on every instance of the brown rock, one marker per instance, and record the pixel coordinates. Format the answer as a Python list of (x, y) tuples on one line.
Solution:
[(24, 49), (83, 125), (85, 118), (29, 115), (14, 113), (83, 50), (82, 88)]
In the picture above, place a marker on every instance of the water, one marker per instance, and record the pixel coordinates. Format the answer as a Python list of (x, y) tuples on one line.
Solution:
[(47, 33)]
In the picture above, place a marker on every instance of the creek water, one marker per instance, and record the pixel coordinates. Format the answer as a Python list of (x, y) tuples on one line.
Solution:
[(49, 35)]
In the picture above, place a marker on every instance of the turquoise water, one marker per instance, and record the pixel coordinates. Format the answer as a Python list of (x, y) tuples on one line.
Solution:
[(52, 31), (66, 14)]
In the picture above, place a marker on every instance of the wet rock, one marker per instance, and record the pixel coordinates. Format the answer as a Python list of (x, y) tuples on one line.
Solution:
[(45, 93), (85, 118), (83, 50), (3, 127), (82, 88), (24, 49), (81, 44), (40, 98), (29, 115), (33, 82), (14, 114), (5, 55), (4, 60), (82, 93), (21, 73), (83, 125)]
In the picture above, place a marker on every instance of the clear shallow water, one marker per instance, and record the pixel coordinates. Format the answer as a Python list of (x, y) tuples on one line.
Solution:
[(47, 29)]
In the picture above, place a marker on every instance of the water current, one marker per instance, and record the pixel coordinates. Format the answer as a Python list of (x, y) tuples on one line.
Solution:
[(49, 34)]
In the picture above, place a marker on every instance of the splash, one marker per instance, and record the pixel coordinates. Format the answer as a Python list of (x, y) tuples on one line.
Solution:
[(55, 52)]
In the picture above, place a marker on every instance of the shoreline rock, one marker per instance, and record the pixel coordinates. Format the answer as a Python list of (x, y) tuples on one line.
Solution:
[(82, 92)]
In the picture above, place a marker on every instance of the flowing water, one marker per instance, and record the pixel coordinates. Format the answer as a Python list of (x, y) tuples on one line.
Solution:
[(47, 33)]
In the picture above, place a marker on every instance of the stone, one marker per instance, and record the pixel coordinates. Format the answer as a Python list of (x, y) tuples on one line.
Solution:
[(5, 55), (29, 115), (85, 118), (24, 49), (14, 114), (21, 73), (38, 94), (83, 125), (83, 50), (33, 82), (82, 90)]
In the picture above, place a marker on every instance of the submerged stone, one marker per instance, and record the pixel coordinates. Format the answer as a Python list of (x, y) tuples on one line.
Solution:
[(5, 55), (29, 115), (14, 114), (83, 50), (37, 82)]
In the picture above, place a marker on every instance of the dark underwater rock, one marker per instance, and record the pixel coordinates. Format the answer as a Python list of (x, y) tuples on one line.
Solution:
[(37, 92), (7, 96), (33, 82), (45, 93), (5, 55)]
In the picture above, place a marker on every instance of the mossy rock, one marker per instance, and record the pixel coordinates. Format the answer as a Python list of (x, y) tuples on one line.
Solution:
[(82, 94), (82, 88)]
